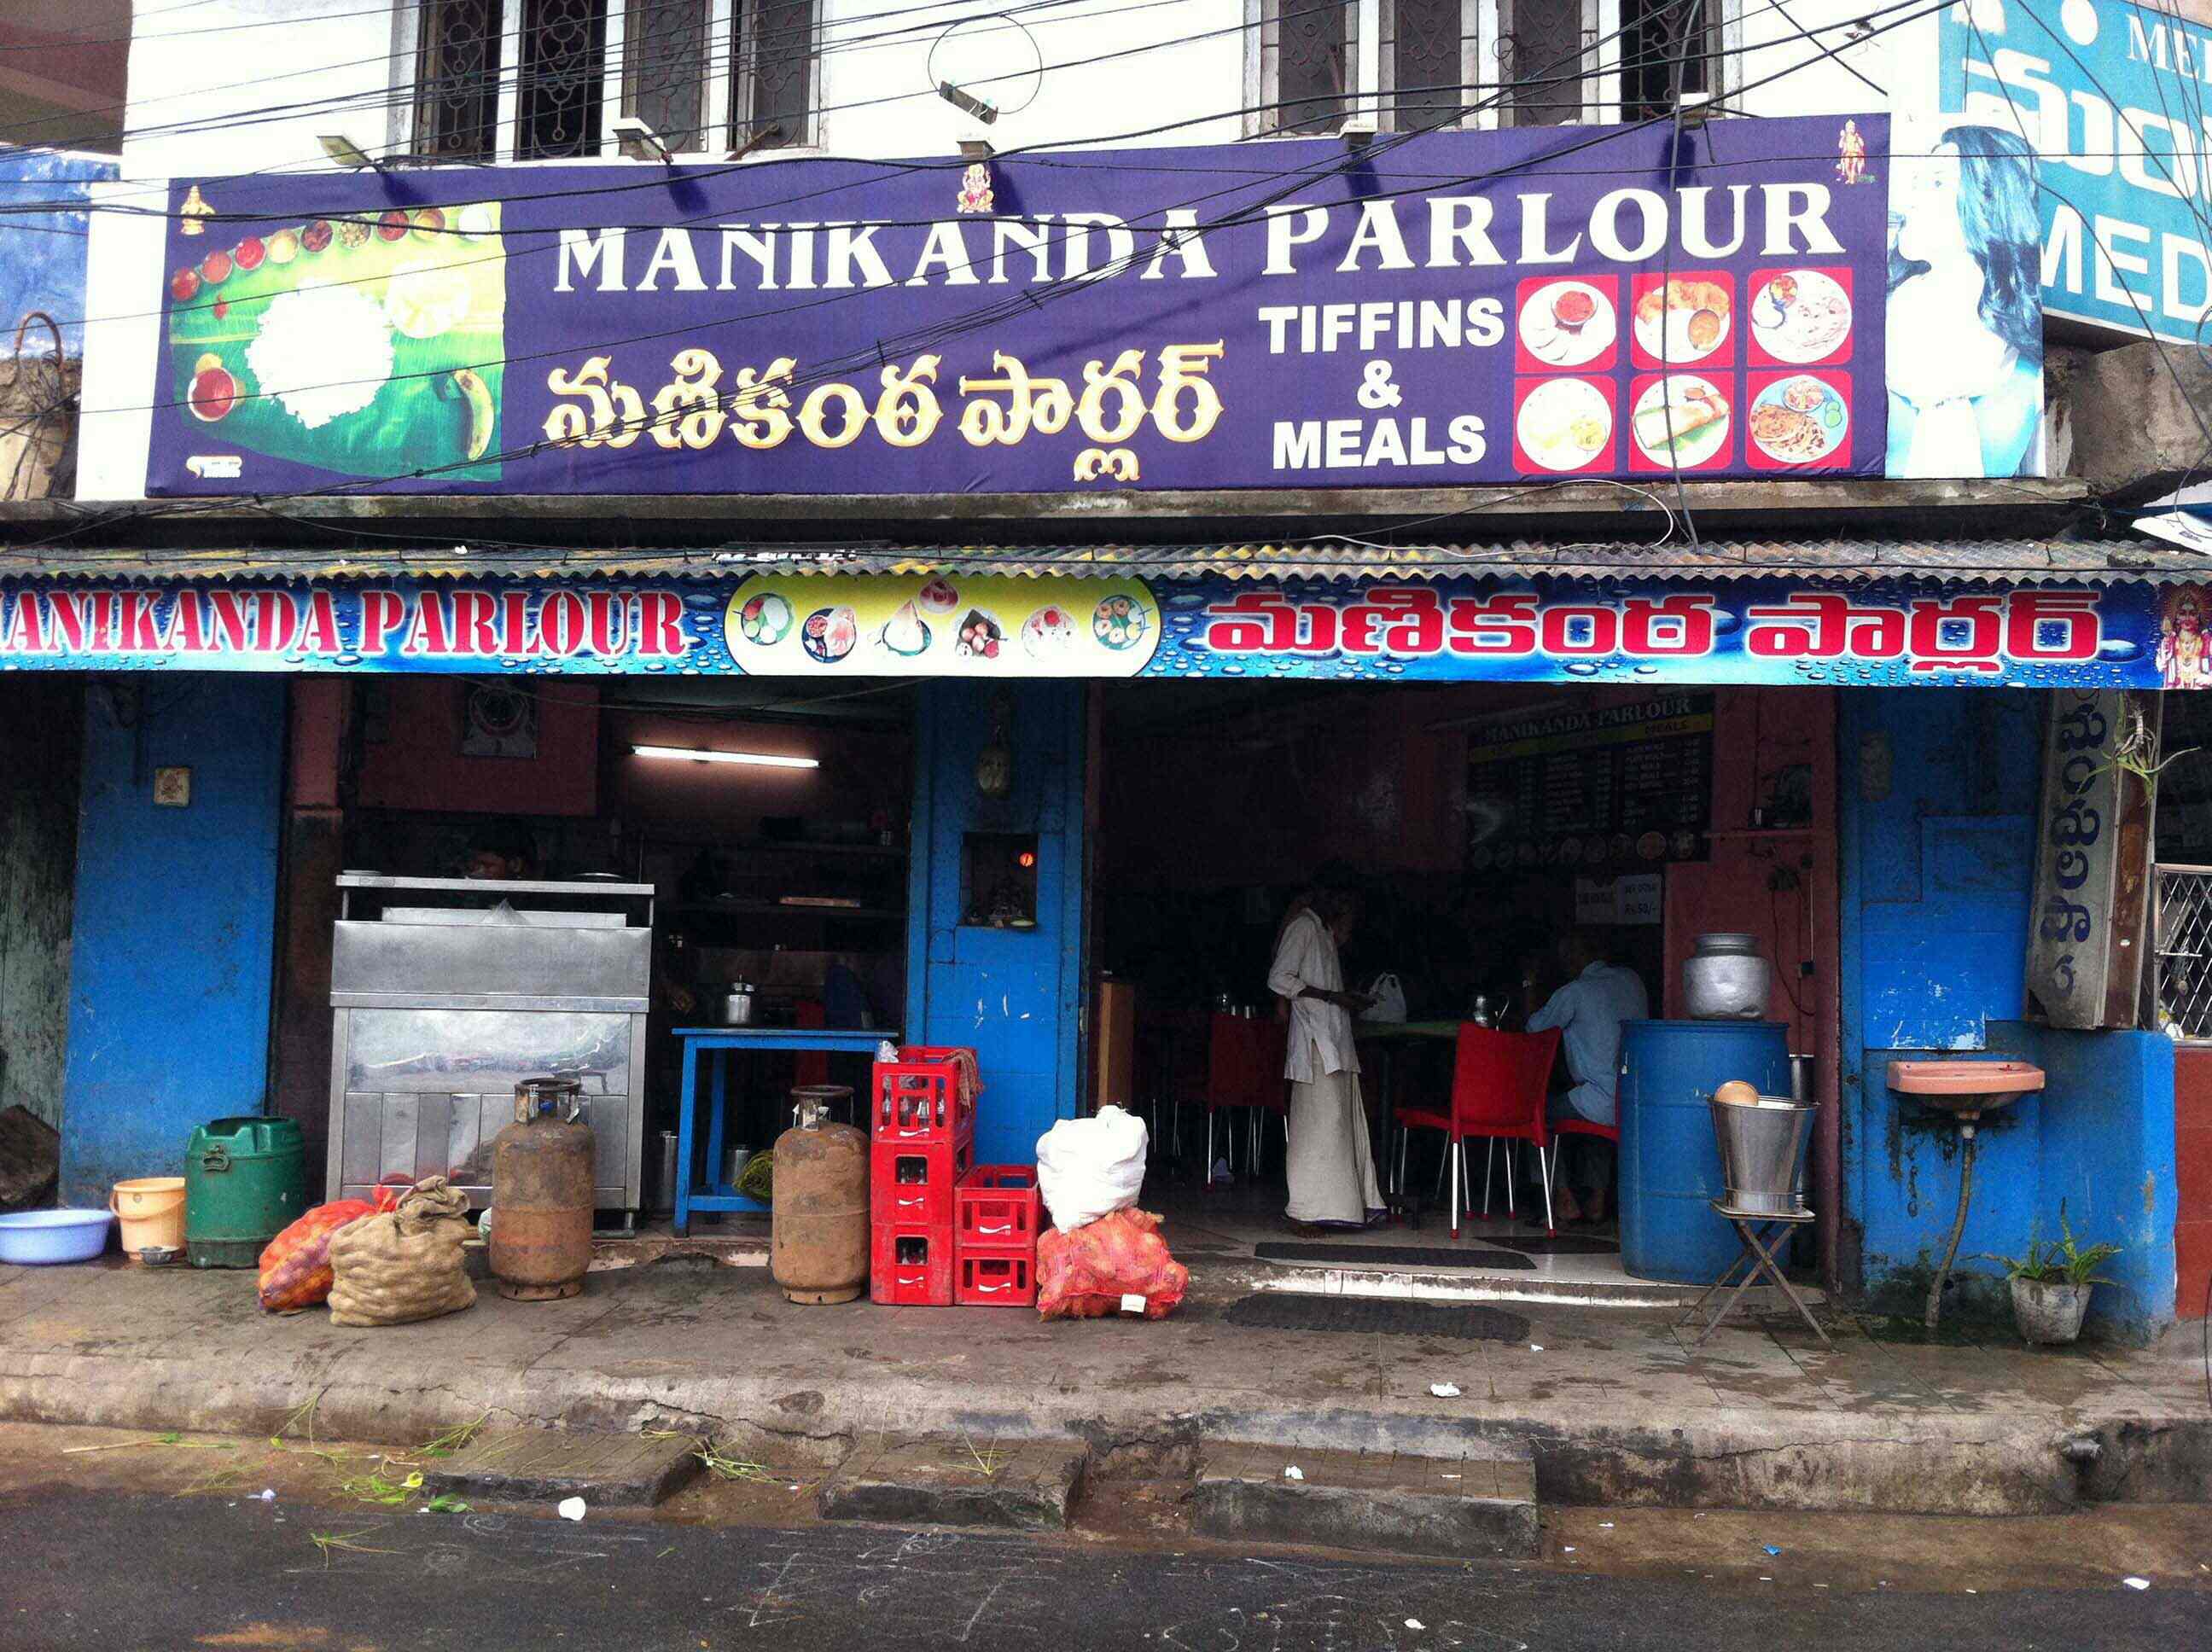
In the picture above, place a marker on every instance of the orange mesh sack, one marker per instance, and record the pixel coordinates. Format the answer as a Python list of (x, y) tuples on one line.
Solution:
[(295, 1265), (1084, 1273)]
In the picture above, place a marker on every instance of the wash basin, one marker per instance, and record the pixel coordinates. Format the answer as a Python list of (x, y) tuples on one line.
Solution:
[(1965, 1089)]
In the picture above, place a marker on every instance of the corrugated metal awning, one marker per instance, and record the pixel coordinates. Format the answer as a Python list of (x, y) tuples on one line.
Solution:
[(2097, 562)]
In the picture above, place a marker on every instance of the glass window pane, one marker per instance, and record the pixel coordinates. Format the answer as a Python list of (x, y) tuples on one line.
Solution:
[(563, 49), (1424, 63), (775, 49), (1312, 66), (457, 81), (664, 70)]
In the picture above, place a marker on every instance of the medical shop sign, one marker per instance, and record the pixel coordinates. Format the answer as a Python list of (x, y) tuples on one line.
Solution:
[(1525, 306), (1017, 626)]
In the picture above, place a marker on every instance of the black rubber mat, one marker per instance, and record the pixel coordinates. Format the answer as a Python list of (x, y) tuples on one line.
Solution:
[(1295, 1310), (1290, 1250), (1560, 1244)]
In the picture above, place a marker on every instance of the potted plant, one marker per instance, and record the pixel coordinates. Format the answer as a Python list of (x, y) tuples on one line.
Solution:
[(2051, 1284)]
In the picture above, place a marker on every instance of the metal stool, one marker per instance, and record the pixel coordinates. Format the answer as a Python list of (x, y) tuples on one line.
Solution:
[(1760, 1232)]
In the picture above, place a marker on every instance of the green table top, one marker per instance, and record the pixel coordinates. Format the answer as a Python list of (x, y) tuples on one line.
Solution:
[(1406, 1030)]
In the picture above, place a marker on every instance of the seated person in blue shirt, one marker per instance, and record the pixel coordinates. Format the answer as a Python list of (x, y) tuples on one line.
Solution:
[(1587, 1010)]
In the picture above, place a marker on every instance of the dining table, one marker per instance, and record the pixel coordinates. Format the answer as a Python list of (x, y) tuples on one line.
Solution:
[(1391, 1041)]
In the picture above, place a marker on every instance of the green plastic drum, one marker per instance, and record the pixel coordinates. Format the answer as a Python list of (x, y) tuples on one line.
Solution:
[(245, 1182)]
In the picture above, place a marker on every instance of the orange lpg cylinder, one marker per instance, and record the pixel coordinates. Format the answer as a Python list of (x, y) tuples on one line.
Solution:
[(819, 1252), (542, 1196)]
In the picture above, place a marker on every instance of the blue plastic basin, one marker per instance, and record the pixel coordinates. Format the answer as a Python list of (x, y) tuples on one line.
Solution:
[(37, 1238)]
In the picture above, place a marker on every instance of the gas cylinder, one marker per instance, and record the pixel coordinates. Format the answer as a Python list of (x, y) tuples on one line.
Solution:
[(542, 1185), (820, 1248)]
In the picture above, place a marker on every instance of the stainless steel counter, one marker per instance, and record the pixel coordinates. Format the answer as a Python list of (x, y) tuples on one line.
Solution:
[(441, 1002)]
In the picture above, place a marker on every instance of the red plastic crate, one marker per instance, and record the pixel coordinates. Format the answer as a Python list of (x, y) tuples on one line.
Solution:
[(997, 1207), (917, 1098), (995, 1278), (911, 1267), (912, 1184)]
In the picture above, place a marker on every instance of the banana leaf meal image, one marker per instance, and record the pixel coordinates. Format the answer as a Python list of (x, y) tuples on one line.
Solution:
[(367, 345)]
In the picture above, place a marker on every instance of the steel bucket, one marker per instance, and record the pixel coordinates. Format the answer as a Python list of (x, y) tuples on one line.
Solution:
[(1762, 1148)]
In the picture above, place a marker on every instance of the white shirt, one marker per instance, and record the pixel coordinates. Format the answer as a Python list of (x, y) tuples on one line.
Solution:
[(1321, 1033), (1589, 1010)]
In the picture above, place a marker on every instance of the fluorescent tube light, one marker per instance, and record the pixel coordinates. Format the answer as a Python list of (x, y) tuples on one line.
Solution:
[(756, 759)]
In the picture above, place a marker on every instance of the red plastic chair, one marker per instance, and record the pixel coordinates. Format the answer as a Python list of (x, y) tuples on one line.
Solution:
[(1498, 1086), (1244, 1069)]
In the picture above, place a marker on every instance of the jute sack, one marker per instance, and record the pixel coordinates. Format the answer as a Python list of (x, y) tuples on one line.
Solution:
[(404, 1264)]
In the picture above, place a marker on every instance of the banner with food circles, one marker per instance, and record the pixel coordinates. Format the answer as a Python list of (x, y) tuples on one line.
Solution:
[(945, 625)]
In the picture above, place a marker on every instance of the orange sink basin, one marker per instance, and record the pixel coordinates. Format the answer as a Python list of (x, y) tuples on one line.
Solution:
[(1965, 1088)]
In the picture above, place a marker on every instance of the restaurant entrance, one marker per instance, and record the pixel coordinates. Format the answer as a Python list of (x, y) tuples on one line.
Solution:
[(1486, 826)]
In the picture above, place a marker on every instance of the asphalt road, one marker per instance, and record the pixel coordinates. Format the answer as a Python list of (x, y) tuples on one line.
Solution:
[(119, 1571)]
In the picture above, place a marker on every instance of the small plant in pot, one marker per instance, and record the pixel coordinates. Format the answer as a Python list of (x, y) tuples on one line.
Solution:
[(2051, 1284)]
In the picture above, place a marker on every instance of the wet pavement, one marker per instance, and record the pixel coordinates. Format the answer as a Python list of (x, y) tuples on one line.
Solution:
[(125, 1541)]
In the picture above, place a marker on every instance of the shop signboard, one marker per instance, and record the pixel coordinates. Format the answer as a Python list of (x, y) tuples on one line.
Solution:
[(1636, 633), (2111, 96), (2086, 939), (1525, 306)]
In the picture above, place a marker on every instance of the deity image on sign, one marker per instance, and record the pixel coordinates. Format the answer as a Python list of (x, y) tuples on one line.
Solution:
[(2183, 661), (976, 189), (1851, 154)]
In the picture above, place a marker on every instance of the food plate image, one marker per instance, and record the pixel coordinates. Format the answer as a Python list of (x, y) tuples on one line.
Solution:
[(980, 636), (1118, 623), (906, 633), (370, 345), (1801, 316), (1567, 323), (937, 597), (1681, 421), (829, 633), (765, 619), (1564, 424), (1682, 319), (1046, 633), (1799, 420)]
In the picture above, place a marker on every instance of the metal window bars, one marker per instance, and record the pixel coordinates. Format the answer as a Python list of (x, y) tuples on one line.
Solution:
[(2182, 945)]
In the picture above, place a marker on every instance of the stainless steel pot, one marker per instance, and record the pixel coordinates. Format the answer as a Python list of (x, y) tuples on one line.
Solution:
[(738, 1005), (1726, 979)]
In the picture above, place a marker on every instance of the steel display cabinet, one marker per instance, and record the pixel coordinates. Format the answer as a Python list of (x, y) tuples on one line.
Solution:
[(446, 992)]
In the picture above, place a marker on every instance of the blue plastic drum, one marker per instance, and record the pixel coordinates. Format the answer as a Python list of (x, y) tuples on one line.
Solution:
[(1670, 1167)]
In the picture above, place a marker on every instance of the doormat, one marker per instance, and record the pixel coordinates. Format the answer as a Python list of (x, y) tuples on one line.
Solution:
[(1296, 1311), (1559, 1244), (1287, 1250)]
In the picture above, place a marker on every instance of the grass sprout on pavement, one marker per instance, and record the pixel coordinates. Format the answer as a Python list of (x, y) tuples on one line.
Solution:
[(452, 1439), (723, 1466), (988, 1461), (343, 1541), (372, 1487)]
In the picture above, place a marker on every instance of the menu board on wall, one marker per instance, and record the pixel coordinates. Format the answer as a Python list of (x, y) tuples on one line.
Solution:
[(1616, 786)]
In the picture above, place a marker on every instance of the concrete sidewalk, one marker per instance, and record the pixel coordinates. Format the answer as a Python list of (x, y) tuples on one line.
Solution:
[(1616, 1406)]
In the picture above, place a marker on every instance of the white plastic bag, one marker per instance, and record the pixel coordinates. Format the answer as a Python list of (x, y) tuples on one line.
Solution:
[(1089, 1168), (1389, 996)]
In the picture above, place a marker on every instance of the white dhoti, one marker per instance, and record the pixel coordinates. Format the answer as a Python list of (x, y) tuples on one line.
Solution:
[(1332, 1163)]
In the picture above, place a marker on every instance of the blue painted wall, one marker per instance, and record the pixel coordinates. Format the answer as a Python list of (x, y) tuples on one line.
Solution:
[(176, 910), (1938, 848), (1014, 995)]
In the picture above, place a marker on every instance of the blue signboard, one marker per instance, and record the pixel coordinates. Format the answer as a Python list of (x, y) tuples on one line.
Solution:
[(1532, 305), (42, 252), (1011, 627), (2112, 97)]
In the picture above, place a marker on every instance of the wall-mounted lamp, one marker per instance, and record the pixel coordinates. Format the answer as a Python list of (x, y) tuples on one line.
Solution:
[(1358, 130), (977, 149), (346, 152), (967, 102), (638, 141), (755, 759), (1693, 107)]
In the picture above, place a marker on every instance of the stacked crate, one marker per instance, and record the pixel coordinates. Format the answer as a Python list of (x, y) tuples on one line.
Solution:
[(997, 1212), (923, 1142)]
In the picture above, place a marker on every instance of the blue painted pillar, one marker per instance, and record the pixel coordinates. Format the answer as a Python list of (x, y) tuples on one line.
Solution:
[(176, 910), (1014, 995)]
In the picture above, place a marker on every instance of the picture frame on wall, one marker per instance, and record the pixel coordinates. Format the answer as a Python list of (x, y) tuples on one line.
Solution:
[(499, 720)]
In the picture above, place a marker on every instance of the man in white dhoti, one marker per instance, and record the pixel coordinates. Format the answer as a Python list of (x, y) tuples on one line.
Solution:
[(1332, 1162)]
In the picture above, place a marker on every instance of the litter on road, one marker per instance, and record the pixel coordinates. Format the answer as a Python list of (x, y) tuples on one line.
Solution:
[(572, 1508)]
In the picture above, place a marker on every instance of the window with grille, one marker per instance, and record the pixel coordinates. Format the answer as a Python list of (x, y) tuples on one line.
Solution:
[(536, 79), (1308, 63), (457, 81)]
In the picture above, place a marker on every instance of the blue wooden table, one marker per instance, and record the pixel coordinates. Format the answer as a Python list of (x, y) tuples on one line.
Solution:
[(713, 1047)]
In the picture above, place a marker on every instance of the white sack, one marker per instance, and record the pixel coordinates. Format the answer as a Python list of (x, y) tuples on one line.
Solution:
[(1089, 1168)]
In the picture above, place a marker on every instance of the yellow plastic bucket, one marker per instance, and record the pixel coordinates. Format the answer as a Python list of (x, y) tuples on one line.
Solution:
[(152, 1211)]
